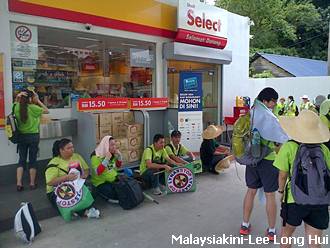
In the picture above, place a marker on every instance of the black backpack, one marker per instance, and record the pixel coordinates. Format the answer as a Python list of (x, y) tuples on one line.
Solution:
[(12, 127), (297, 111), (129, 192)]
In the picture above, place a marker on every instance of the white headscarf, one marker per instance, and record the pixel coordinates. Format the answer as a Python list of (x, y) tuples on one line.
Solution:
[(103, 148)]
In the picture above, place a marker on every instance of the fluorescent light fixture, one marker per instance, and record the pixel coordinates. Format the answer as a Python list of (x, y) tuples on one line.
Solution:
[(44, 45), (85, 38), (128, 44), (93, 45)]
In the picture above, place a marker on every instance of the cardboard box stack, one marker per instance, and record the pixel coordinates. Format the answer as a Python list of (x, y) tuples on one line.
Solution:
[(128, 134)]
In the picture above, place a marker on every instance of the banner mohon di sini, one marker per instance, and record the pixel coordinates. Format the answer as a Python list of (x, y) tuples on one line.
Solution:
[(190, 110)]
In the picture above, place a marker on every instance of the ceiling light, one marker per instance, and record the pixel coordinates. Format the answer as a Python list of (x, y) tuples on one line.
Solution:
[(85, 38), (93, 45), (128, 44)]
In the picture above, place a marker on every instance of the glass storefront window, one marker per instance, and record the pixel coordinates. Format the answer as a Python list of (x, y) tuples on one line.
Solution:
[(210, 79), (68, 63)]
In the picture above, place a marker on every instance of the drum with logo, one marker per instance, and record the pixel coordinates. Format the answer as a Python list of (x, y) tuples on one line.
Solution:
[(181, 179), (71, 198)]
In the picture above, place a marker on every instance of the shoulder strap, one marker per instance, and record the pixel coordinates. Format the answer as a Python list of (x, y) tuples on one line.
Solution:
[(92, 154), (13, 109), (152, 153), (55, 166), (172, 148)]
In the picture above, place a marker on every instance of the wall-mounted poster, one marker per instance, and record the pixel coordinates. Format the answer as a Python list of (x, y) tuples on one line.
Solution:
[(190, 112), (24, 40)]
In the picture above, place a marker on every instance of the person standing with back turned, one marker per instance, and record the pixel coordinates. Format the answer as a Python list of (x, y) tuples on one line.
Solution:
[(28, 110)]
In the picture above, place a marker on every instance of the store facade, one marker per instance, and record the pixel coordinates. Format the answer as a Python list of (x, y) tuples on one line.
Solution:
[(127, 49)]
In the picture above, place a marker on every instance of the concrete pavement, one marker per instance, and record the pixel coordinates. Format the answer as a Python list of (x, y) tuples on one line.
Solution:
[(214, 209)]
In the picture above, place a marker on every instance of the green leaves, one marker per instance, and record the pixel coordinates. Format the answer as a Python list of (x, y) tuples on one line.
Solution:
[(289, 27)]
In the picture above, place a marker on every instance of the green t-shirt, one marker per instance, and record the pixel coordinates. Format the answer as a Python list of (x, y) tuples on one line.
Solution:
[(109, 175), (54, 172), (159, 155), (325, 120), (285, 159), (290, 109), (278, 108), (181, 151), (271, 145), (33, 121)]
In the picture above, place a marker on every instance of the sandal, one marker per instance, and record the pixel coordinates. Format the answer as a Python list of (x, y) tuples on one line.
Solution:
[(33, 187), (19, 188)]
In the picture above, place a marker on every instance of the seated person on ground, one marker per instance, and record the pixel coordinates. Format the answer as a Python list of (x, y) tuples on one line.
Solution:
[(209, 156), (153, 160), (105, 161), (178, 152), (64, 159)]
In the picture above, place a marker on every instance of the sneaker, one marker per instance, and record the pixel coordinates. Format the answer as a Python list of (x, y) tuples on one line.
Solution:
[(156, 191), (162, 187), (245, 230), (113, 201), (270, 235), (93, 213)]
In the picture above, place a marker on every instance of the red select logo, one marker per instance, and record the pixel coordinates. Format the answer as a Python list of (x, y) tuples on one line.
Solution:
[(202, 22)]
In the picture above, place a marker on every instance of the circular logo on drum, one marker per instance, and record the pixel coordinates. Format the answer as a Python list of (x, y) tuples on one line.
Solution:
[(67, 195), (180, 180), (23, 33)]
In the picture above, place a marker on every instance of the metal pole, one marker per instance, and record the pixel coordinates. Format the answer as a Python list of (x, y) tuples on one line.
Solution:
[(329, 52)]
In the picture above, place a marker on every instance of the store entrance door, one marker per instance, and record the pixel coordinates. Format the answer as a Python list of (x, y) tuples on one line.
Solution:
[(210, 85)]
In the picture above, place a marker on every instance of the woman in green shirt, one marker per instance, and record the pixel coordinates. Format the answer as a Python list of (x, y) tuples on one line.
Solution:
[(106, 159), (28, 110), (64, 159)]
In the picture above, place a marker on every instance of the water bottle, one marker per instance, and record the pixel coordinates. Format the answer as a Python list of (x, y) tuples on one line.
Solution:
[(255, 146)]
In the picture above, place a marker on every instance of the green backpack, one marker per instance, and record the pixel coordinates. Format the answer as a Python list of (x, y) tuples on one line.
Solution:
[(242, 135)]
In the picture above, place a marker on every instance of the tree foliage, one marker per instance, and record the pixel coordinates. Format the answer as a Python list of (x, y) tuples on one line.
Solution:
[(288, 27)]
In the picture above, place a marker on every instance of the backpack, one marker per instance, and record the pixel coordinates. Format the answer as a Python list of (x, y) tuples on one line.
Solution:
[(11, 127), (297, 111), (310, 180), (129, 192), (242, 142), (26, 225)]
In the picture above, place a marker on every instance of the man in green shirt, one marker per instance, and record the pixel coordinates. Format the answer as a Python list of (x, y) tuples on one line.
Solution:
[(153, 160), (303, 129), (177, 151), (262, 175)]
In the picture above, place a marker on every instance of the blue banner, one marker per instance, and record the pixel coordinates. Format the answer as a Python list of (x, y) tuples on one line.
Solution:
[(190, 91)]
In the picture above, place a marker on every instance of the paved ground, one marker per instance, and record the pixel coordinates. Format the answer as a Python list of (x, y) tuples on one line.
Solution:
[(214, 209)]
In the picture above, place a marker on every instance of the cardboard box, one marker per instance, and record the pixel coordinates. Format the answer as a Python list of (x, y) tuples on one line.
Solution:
[(124, 156), (96, 118), (134, 155), (135, 143), (122, 144), (105, 119), (133, 130), (128, 117), (105, 130), (117, 118), (118, 131)]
